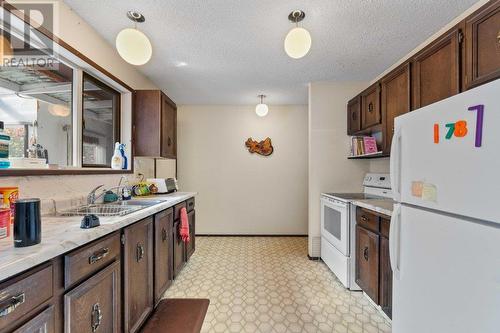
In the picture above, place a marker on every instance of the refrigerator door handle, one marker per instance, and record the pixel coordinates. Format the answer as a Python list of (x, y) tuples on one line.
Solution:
[(395, 165), (394, 246)]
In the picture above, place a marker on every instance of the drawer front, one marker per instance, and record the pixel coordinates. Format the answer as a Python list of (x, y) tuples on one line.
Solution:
[(177, 210), (190, 204), (43, 323), (25, 294), (94, 306), (83, 262), (385, 223), (367, 219)]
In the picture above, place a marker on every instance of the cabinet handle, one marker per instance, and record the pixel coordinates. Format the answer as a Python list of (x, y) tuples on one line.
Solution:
[(9, 306), (163, 234), (98, 255), (364, 218), (140, 252), (169, 141), (95, 317), (365, 253), (370, 107)]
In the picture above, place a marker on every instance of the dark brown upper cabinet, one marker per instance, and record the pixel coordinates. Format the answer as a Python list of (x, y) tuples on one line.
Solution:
[(395, 90), (370, 107), (155, 124), (354, 115), (436, 69), (482, 45)]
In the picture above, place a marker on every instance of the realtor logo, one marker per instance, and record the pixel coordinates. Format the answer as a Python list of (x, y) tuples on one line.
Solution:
[(22, 44)]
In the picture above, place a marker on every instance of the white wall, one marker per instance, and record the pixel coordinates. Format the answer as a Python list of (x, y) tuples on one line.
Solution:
[(239, 192), (329, 168)]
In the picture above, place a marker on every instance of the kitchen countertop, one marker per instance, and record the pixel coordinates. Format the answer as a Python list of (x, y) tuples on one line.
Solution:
[(382, 206), (63, 234)]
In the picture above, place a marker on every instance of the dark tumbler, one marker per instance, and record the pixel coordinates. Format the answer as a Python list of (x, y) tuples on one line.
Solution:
[(27, 222)]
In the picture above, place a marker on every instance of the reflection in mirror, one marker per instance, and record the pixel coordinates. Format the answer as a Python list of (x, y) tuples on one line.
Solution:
[(35, 106), (101, 122)]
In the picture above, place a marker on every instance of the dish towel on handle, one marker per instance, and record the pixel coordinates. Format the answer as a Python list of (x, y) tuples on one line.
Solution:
[(184, 225)]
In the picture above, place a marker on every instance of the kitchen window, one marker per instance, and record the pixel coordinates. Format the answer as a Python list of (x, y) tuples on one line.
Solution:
[(66, 116)]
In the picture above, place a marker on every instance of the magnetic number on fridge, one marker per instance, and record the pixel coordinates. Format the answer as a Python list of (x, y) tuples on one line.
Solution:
[(459, 129)]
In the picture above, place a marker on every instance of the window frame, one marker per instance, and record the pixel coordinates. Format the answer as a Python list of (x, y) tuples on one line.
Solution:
[(82, 65), (116, 117)]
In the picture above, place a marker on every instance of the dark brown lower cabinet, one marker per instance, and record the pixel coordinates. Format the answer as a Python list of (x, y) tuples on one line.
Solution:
[(367, 264), (138, 274), (94, 306), (190, 246), (43, 323), (163, 252), (385, 283), (179, 250)]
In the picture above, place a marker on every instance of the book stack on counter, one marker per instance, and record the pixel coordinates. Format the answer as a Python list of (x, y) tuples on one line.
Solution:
[(363, 145)]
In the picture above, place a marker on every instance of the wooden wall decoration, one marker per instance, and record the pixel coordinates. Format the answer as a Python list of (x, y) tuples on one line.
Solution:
[(264, 148)]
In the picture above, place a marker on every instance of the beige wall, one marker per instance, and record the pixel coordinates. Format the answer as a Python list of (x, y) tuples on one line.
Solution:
[(239, 192), (329, 168), (76, 32)]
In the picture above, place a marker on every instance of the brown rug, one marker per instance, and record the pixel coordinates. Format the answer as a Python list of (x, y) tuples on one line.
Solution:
[(177, 315)]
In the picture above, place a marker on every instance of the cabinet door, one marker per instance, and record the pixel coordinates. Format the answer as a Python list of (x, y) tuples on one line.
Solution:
[(190, 246), (354, 115), (168, 128), (163, 252), (147, 118), (395, 100), (94, 305), (138, 273), (367, 261), (385, 286), (43, 323), (370, 107), (436, 70), (178, 245), (482, 42)]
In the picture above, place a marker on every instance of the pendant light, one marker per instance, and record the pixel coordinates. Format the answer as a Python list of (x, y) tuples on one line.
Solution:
[(298, 40), (261, 109), (133, 45)]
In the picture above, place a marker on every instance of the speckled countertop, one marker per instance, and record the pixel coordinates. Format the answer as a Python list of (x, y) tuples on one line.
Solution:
[(63, 234), (382, 206)]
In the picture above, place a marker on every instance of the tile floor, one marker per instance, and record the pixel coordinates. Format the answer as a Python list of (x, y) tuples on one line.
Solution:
[(267, 284)]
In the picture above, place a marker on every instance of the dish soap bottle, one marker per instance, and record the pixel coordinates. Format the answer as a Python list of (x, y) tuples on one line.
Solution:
[(4, 148), (117, 160)]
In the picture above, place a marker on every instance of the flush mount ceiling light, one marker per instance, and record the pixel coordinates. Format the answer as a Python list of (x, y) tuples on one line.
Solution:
[(261, 109), (133, 45), (298, 40)]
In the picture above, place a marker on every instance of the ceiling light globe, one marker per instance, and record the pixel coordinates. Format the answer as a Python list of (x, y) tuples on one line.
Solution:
[(261, 109), (134, 46), (297, 43)]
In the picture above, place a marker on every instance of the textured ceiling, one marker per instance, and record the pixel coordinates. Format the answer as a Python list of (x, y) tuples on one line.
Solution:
[(234, 48)]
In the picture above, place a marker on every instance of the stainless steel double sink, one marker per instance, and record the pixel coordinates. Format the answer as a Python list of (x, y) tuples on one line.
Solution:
[(119, 208)]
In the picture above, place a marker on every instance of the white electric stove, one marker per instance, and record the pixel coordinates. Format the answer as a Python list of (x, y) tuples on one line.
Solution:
[(338, 223)]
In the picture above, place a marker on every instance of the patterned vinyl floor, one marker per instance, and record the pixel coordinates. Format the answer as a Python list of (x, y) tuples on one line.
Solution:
[(267, 284)]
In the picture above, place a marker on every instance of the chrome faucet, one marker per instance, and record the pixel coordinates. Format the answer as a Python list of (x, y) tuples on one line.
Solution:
[(91, 196)]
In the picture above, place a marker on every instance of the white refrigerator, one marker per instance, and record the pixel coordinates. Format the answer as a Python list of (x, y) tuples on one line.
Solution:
[(444, 238)]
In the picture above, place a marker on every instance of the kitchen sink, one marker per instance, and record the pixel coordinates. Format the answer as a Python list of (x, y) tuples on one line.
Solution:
[(101, 210), (145, 203), (118, 208)]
